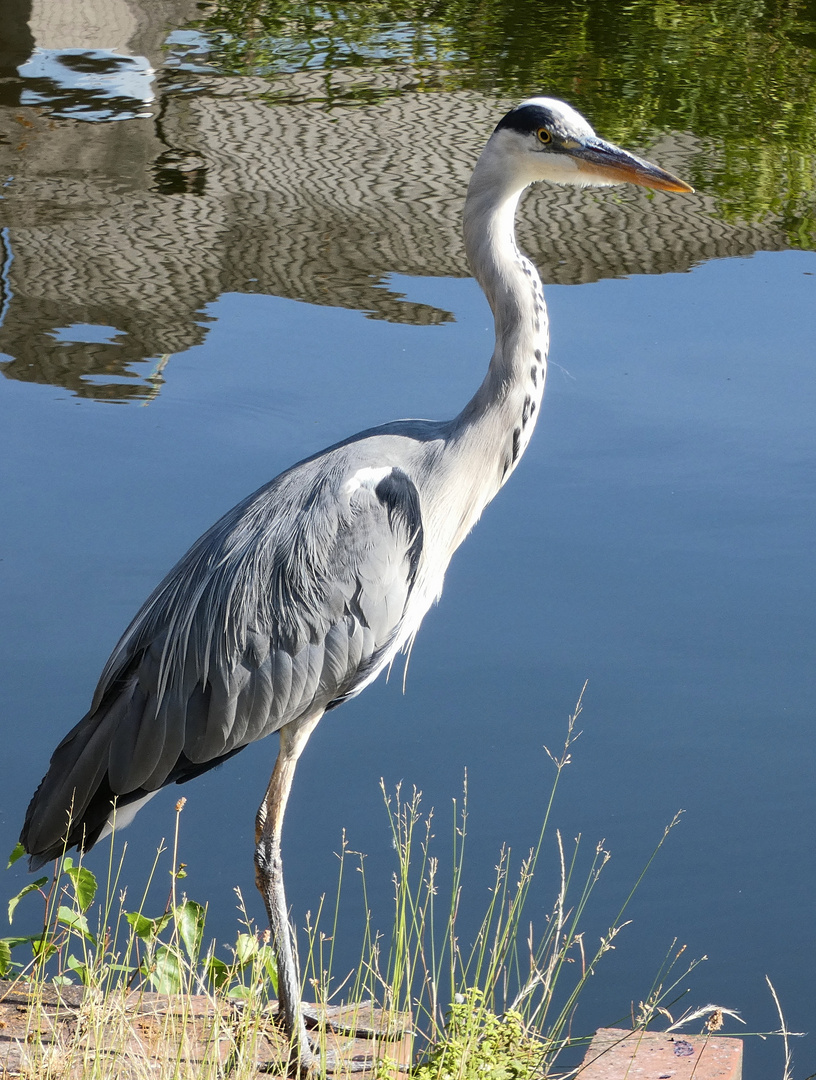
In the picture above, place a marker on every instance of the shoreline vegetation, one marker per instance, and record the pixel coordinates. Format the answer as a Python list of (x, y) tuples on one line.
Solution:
[(500, 1007)]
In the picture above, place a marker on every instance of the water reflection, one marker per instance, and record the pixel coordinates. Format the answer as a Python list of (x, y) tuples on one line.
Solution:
[(87, 84), (141, 224), (637, 68), (6, 257)]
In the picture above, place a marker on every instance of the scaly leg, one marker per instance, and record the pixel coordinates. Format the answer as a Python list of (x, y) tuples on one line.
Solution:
[(269, 879)]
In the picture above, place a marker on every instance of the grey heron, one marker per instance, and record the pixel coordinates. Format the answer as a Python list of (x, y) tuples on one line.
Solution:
[(298, 597)]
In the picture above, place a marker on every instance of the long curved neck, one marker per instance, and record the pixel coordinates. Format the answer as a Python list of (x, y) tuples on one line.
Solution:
[(493, 430)]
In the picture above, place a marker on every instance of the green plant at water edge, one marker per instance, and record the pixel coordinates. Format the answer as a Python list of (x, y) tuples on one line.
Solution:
[(480, 1045), (131, 949), (503, 1005), (116, 955), (498, 1008)]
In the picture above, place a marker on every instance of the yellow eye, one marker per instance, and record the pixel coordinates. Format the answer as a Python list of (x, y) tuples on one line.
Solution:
[(544, 136)]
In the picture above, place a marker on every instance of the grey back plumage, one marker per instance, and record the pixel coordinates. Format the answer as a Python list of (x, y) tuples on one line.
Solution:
[(288, 605)]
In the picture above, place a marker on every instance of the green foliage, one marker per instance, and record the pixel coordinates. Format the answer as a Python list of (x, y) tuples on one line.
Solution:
[(166, 973), (5, 957), (83, 881), (162, 952), (514, 992), (147, 929), (32, 886), (479, 1045), (252, 958), (190, 918), (75, 921), (18, 852)]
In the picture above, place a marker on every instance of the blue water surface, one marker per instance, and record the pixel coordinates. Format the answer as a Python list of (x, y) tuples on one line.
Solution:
[(657, 541)]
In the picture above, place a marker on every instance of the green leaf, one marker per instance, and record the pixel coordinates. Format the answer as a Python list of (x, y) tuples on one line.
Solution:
[(217, 971), (74, 920), (144, 928), (62, 980), (5, 956), (270, 965), (15, 900), (16, 854), (42, 946), (13, 942), (240, 993), (80, 968), (245, 948), (84, 885), (190, 918), (166, 974)]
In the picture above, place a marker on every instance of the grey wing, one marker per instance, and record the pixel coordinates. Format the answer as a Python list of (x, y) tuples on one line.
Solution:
[(288, 605)]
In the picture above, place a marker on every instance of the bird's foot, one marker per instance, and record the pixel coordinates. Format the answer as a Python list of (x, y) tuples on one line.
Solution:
[(344, 1039), (321, 1061), (337, 1061), (362, 1020), (342, 1019), (332, 1060)]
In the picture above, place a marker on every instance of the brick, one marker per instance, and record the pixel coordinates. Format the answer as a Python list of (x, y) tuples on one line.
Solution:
[(136, 1035), (619, 1054)]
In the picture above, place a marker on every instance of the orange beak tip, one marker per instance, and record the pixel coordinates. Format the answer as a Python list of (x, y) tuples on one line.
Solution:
[(683, 187)]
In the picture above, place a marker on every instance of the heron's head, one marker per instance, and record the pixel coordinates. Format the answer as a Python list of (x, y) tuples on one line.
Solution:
[(547, 139)]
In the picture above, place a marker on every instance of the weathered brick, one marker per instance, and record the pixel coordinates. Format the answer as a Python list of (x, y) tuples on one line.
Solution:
[(618, 1054)]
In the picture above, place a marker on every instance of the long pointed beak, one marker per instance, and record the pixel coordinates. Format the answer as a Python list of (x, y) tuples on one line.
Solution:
[(603, 159)]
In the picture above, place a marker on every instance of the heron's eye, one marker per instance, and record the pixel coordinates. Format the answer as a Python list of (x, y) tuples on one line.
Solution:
[(544, 136)]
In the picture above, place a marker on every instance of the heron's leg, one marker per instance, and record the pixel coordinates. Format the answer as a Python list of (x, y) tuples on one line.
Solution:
[(269, 879)]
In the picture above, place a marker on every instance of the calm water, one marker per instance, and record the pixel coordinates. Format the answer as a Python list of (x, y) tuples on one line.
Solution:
[(196, 299)]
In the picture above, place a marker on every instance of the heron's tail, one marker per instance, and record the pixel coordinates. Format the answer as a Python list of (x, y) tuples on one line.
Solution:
[(72, 805)]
